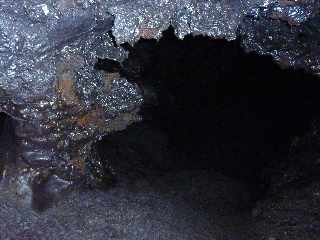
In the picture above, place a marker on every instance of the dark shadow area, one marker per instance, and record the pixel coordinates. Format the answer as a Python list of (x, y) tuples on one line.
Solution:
[(7, 142), (210, 105)]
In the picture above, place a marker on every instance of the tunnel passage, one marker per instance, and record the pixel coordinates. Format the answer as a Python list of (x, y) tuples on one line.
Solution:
[(209, 104)]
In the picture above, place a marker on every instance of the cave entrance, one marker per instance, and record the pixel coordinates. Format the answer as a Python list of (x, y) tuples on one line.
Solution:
[(209, 104)]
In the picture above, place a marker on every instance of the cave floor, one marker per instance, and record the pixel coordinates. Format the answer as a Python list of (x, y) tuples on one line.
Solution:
[(188, 205), (153, 200)]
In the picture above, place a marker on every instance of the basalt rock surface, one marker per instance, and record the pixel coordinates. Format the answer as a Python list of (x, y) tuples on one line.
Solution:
[(61, 104)]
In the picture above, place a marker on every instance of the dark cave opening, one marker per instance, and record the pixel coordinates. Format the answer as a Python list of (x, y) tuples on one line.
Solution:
[(210, 105), (228, 148)]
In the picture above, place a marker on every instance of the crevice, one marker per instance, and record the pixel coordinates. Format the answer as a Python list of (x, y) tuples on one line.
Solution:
[(7, 142)]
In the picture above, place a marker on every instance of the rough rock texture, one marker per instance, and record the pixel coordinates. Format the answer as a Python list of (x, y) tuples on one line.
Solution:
[(62, 104), (281, 28), (291, 43)]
